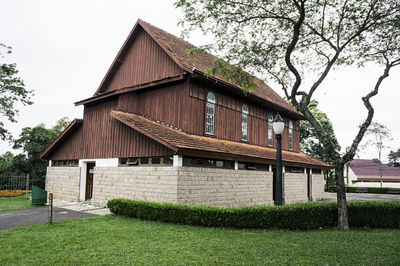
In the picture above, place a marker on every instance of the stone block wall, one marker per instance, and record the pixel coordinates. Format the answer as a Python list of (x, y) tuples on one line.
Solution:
[(224, 187), (295, 188), (317, 186), (63, 182), (184, 185), (156, 184)]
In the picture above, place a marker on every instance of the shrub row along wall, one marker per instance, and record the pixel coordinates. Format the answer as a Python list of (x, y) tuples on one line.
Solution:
[(374, 190), (295, 216)]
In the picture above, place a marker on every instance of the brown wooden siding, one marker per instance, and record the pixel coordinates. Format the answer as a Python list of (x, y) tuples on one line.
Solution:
[(144, 62), (228, 118), (181, 105), (101, 136), (169, 104)]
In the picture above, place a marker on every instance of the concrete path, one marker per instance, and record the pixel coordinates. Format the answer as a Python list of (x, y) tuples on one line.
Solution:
[(362, 197), (62, 210)]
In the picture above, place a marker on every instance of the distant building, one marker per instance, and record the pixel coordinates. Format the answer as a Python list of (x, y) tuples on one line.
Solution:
[(367, 173)]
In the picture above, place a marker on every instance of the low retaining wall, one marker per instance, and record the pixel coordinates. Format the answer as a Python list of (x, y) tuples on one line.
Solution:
[(295, 188), (157, 184), (63, 182), (224, 187), (184, 185), (318, 184)]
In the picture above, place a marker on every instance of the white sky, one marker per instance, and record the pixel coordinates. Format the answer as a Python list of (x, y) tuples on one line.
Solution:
[(64, 48)]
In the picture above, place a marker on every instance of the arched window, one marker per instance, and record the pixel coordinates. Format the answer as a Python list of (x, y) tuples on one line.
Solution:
[(270, 132), (210, 111), (290, 135), (245, 118)]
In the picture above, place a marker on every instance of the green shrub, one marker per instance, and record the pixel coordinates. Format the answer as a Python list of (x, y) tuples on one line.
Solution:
[(312, 215), (380, 214), (374, 190)]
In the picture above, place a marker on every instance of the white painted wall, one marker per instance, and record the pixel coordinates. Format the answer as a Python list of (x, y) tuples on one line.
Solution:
[(108, 162)]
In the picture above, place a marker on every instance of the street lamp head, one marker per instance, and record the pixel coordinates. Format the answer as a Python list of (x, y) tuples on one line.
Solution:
[(278, 125)]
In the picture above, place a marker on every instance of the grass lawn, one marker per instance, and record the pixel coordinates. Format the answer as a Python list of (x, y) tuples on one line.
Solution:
[(119, 240), (15, 203)]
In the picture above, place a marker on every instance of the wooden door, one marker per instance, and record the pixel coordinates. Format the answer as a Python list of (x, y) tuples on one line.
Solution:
[(89, 180)]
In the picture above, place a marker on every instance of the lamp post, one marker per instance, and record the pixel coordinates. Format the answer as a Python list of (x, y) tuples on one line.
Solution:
[(278, 125)]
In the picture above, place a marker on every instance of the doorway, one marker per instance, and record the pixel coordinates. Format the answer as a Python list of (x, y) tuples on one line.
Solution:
[(89, 180)]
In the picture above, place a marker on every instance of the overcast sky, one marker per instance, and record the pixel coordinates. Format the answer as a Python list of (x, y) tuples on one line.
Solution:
[(64, 48)]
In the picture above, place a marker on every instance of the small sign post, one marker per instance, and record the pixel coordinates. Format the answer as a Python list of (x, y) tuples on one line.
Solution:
[(27, 186), (50, 207)]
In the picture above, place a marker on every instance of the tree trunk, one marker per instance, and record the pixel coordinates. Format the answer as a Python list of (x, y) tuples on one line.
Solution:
[(343, 218)]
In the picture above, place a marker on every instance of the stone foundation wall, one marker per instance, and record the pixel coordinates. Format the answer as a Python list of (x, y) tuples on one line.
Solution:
[(63, 182), (156, 184), (317, 186), (295, 188), (224, 187), (184, 185)]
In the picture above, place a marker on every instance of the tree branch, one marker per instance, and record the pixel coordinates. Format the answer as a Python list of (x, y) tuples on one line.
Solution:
[(366, 99)]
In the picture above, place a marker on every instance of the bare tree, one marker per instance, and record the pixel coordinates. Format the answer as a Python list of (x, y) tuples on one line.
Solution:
[(292, 41), (377, 134)]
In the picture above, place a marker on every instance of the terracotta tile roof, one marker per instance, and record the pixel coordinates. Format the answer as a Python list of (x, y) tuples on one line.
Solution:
[(177, 139), (204, 61)]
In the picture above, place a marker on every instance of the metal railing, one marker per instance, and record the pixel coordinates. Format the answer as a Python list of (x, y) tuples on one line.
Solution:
[(15, 182)]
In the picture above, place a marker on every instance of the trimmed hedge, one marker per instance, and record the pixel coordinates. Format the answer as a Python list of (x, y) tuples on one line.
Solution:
[(374, 190), (303, 216)]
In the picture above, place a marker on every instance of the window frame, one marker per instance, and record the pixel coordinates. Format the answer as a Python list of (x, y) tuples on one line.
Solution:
[(290, 135), (210, 116), (270, 130), (245, 122)]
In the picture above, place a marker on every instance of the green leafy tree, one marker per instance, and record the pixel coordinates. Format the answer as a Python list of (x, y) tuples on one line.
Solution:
[(6, 162), (34, 141), (309, 138), (61, 124), (12, 91), (394, 158), (293, 41)]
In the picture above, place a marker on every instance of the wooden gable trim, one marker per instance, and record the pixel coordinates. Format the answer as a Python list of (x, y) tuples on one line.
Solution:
[(122, 52), (144, 132), (173, 57), (108, 94), (71, 128)]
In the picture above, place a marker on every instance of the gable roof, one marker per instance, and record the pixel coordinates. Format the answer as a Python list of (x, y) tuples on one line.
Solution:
[(181, 142), (177, 49), (370, 170), (68, 131)]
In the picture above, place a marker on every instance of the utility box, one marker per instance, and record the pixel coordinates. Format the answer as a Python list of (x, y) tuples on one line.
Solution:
[(39, 196)]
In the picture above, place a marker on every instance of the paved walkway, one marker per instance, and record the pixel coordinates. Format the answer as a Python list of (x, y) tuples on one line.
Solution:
[(362, 197), (62, 210), (81, 207)]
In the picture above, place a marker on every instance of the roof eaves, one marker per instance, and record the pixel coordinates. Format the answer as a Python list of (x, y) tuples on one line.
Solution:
[(131, 88), (74, 124), (115, 115)]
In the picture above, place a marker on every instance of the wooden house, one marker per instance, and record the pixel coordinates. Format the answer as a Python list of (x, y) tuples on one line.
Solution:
[(158, 129)]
